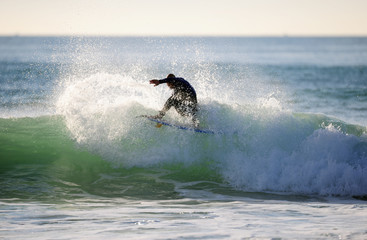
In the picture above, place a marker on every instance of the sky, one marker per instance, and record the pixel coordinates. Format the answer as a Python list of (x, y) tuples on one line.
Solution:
[(184, 17)]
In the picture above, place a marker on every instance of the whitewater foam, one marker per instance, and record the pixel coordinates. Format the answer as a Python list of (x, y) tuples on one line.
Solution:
[(325, 162)]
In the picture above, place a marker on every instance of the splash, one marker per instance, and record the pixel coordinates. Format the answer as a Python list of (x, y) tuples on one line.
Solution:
[(265, 146)]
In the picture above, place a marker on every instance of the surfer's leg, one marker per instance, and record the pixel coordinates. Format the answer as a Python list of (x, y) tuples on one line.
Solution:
[(195, 119), (169, 103), (188, 109)]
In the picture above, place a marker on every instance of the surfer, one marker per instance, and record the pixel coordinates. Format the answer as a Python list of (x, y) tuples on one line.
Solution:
[(183, 98)]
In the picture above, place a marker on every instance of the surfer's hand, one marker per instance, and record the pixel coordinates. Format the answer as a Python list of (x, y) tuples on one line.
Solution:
[(155, 82)]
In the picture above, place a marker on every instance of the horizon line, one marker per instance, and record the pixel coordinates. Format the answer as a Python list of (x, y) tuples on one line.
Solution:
[(192, 35)]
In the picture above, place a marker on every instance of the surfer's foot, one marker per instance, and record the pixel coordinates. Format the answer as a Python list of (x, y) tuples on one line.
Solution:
[(156, 117), (196, 123)]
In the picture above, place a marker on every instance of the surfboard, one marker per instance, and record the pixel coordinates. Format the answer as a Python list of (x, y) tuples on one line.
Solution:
[(160, 123)]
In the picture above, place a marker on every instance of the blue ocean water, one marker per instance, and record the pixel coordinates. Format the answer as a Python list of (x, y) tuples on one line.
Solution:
[(76, 162)]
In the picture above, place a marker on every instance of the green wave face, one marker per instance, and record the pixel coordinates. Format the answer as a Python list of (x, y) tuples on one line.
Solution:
[(40, 160)]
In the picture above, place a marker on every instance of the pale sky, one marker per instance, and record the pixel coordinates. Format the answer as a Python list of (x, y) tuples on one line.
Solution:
[(184, 17)]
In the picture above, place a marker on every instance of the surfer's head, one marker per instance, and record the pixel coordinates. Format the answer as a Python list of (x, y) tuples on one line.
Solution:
[(171, 76)]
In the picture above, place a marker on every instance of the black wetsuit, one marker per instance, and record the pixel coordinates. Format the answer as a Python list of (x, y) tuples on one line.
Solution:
[(183, 99)]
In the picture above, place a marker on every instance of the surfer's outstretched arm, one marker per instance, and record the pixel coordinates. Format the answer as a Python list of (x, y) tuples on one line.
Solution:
[(175, 81)]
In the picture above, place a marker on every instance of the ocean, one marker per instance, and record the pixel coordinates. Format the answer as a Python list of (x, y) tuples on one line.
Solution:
[(288, 160)]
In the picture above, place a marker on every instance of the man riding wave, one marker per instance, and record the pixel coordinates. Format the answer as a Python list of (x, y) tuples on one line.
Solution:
[(183, 98)]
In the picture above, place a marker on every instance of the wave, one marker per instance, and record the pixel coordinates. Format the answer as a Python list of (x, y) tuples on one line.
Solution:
[(96, 137), (291, 153)]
